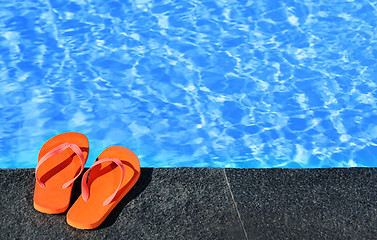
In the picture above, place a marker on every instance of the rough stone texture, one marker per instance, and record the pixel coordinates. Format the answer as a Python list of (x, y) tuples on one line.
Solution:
[(306, 203), (166, 203), (212, 203)]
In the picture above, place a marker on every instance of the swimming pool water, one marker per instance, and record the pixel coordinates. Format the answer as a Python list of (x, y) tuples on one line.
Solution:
[(262, 83)]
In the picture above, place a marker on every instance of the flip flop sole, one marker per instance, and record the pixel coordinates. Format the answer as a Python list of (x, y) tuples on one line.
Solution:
[(103, 181), (56, 171)]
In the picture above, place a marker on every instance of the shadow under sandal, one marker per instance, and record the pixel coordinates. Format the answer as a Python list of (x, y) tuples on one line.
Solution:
[(111, 177), (61, 160)]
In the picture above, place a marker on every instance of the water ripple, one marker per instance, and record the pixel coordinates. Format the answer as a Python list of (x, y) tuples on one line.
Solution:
[(192, 83)]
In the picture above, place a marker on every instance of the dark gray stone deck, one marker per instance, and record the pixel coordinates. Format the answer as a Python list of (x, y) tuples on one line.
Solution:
[(212, 203)]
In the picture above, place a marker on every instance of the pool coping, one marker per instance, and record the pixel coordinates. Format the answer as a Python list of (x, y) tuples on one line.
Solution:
[(212, 203)]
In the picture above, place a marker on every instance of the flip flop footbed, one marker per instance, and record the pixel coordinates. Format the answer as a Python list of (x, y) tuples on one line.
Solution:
[(103, 181), (56, 171)]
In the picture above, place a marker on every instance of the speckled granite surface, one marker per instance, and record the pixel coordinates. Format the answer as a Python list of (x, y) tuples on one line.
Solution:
[(212, 203), (306, 203)]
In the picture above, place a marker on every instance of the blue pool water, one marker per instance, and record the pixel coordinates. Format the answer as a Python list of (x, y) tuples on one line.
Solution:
[(261, 83)]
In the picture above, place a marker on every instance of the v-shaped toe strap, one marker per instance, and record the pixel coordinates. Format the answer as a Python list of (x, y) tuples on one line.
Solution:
[(84, 186), (55, 151)]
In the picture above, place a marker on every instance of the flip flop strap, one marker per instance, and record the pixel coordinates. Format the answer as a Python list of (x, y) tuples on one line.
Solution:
[(56, 151), (84, 186)]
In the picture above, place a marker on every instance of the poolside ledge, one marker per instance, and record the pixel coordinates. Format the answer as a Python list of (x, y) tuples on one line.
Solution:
[(212, 203)]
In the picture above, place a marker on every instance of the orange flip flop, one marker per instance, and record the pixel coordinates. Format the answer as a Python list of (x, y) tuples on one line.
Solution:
[(111, 177), (61, 160)]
